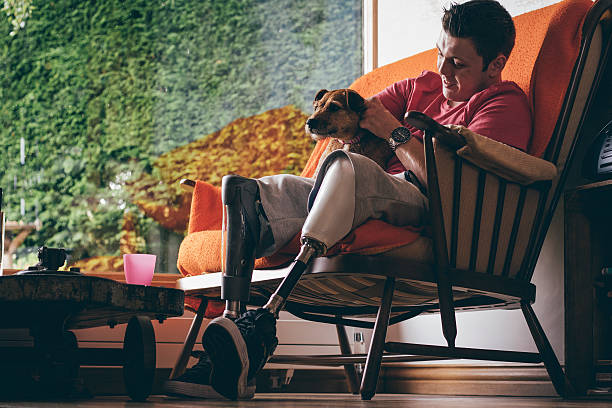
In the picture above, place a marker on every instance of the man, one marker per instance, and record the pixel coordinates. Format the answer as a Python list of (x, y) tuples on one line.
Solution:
[(264, 214)]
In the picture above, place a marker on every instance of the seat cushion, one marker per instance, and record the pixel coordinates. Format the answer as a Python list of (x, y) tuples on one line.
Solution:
[(421, 250)]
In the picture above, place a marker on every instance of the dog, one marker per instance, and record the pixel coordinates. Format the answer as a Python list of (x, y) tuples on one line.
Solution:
[(336, 115)]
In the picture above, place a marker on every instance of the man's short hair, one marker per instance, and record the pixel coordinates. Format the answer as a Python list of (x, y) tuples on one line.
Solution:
[(486, 22)]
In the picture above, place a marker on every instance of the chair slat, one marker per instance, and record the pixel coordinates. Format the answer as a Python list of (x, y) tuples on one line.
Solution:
[(527, 218), (515, 227), (467, 213), (482, 176), (523, 272), (511, 201), (456, 205), (496, 225)]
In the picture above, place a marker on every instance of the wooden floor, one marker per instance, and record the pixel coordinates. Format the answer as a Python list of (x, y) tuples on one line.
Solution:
[(327, 400)]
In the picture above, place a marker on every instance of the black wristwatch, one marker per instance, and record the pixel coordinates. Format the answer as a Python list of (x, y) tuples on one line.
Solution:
[(399, 136)]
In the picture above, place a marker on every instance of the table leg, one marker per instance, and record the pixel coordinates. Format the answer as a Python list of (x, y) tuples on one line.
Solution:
[(139, 358)]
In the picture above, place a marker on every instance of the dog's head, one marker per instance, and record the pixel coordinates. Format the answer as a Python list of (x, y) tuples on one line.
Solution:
[(336, 114)]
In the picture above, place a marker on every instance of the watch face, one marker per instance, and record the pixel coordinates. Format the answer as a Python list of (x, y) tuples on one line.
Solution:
[(401, 135)]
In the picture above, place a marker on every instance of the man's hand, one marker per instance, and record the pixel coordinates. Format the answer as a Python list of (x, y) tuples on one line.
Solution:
[(377, 119)]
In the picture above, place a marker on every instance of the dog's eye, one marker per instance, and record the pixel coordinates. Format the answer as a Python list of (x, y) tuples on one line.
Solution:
[(332, 107)]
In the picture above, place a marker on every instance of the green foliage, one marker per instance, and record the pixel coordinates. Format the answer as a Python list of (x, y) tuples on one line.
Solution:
[(99, 89)]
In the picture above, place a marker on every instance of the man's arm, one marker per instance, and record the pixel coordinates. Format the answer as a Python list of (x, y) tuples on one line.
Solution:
[(378, 120)]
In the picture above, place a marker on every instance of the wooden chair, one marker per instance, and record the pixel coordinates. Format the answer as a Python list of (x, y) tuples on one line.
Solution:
[(486, 236)]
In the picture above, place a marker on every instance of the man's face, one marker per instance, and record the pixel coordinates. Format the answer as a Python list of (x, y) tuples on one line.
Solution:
[(461, 68)]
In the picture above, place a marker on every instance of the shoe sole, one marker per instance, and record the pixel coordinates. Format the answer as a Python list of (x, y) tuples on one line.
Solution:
[(229, 356), (185, 389)]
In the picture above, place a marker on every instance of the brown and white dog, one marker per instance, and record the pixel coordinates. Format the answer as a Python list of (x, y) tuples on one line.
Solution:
[(336, 115)]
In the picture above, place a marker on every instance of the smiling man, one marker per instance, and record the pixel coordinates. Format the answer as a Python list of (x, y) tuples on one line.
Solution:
[(473, 47), (264, 214)]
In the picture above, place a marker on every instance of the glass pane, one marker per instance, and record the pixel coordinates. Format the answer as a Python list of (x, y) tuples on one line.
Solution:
[(107, 104)]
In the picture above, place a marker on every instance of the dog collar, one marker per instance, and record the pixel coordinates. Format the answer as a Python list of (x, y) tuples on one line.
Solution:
[(356, 139)]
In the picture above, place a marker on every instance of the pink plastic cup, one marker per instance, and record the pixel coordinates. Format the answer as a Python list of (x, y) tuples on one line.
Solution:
[(139, 268)]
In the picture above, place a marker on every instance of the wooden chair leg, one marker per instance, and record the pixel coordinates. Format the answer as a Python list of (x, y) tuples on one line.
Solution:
[(192, 334), (445, 289), (349, 369), (447, 308), (557, 376), (372, 367)]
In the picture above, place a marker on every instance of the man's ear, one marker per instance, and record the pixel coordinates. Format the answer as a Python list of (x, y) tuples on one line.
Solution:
[(320, 94), (354, 101), (497, 66)]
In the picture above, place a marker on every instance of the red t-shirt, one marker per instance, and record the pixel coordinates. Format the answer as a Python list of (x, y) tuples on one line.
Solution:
[(500, 112)]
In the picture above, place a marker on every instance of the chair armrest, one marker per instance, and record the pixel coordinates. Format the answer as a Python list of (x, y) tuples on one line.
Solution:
[(446, 135), (504, 161), (498, 158)]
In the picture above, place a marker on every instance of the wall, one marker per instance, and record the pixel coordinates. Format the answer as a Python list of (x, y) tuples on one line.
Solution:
[(406, 28)]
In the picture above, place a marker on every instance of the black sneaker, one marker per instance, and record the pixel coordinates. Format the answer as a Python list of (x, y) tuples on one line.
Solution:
[(195, 382), (239, 349)]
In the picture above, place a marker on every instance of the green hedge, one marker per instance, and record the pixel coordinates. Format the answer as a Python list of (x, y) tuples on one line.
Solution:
[(99, 89)]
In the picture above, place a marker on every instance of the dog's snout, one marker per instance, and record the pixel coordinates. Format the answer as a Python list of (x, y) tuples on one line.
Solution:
[(312, 123)]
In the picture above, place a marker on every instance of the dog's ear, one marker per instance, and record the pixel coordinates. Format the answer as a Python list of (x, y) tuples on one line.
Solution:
[(320, 94), (354, 101)]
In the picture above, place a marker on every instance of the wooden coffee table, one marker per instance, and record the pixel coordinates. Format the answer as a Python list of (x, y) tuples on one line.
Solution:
[(51, 305)]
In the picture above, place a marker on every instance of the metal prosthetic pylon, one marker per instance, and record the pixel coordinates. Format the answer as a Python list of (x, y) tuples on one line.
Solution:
[(310, 249)]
